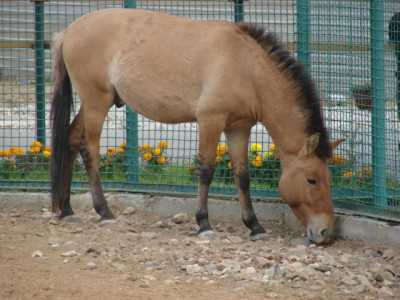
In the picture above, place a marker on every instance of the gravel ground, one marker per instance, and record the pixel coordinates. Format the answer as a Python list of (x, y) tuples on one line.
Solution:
[(145, 256)]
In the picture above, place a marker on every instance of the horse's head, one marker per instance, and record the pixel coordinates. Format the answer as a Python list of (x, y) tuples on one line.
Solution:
[(305, 187)]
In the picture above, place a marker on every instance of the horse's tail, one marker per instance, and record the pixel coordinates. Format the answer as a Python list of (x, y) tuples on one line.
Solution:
[(61, 104)]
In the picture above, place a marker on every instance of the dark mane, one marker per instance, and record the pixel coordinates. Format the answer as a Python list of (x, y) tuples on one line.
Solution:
[(309, 98)]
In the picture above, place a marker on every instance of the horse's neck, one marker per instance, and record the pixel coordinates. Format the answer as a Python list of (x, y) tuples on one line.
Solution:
[(284, 118)]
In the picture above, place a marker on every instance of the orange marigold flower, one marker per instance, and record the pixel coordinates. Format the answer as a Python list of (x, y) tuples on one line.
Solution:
[(35, 147), (348, 174), (157, 151), (162, 160), (36, 144), (3, 153), (111, 151), (17, 151), (337, 159), (222, 149), (123, 146), (257, 161), (46, 153), (147, 156)]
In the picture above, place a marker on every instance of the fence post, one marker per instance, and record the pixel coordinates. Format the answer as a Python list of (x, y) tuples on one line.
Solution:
[(40, 72), (378, 104), (303, 32), (394, 37), (132, 131), (239, 10)]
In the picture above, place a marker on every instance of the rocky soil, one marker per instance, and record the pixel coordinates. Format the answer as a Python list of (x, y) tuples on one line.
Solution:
[(143, 256)]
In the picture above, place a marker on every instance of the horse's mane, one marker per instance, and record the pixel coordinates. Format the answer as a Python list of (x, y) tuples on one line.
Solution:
[(309, 98)]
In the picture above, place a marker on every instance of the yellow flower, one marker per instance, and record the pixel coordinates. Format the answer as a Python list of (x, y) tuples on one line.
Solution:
[(272, 148), (46, 153), (257, 161), (348, 174), (256, 148), (157, 151), (229, 165), (162, 160), (47, 149), (111, 151), (222, 149), (337, 159), (122, 147), (17, 151), (147, 156), (163, 145), (145, 148), (35, 147), (5, 153), (36, 144)]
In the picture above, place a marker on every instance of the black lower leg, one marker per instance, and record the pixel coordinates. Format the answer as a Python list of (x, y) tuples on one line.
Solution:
[(99, 201), (248, 216), (205, 177), (252, 223), (202, 221)]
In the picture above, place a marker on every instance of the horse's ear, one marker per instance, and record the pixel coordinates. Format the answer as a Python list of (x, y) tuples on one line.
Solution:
[(311, 145), (336, 143)]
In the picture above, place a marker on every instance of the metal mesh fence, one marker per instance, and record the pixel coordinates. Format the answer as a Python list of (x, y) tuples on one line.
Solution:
[(352, 49)]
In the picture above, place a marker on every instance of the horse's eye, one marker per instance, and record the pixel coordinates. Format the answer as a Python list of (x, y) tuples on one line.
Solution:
[(311, 181)]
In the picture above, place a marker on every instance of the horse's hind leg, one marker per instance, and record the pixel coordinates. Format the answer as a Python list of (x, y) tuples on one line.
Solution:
[(209, 131), (238, 140), (74, 141), (94, 114)]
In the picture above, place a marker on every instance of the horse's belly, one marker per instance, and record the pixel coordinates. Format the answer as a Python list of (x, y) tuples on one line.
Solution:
[(160, 95), (161, 108)]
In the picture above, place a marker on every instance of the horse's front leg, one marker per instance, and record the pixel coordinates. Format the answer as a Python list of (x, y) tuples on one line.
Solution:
[(238, 146), (210, 130)]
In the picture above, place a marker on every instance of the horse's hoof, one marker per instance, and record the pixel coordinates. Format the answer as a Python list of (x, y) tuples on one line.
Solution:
[(107, 221), (207, 235), (72, 219), (61, 215), (258, 237)]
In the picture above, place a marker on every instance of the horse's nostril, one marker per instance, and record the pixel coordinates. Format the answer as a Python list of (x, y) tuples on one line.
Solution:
[(324, 232), (310, 234)]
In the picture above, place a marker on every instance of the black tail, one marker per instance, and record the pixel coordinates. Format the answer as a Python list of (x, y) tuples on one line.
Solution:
[(61, 104)]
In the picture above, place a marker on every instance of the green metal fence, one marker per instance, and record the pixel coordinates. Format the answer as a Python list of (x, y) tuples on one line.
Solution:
[(351, 48)]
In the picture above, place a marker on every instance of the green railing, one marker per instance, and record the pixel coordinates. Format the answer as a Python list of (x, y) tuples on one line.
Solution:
[(351, 48)]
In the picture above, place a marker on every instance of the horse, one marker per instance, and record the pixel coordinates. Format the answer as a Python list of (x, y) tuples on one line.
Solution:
[(224, 76)]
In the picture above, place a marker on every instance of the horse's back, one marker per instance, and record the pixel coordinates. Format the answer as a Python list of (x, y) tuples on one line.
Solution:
[(155, 61)]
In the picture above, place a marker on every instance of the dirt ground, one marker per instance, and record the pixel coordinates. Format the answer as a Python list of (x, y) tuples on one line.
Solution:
[(143, 256)]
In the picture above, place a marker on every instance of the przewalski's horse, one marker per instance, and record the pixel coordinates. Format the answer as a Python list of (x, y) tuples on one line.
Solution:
[(225, 77)]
